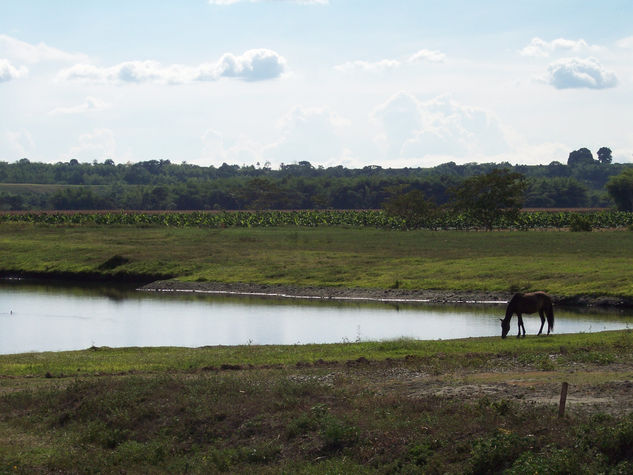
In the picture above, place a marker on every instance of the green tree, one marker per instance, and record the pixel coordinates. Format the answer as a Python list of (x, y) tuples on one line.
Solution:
[(620, 189), (579, 157), (413, 206), (490, 197), (604, 155)]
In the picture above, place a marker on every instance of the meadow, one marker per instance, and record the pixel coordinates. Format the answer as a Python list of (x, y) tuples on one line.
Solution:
[(560, 262), (480, 405)]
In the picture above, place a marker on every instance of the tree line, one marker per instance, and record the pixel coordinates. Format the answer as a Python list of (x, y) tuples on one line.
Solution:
[(160, 184)]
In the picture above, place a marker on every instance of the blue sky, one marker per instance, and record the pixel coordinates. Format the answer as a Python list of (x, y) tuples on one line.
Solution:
[(355, 83)]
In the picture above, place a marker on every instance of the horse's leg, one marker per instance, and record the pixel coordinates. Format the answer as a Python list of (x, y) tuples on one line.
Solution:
[(520, 325), (540, 312)]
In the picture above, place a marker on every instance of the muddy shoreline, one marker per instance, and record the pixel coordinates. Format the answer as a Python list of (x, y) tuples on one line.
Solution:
[(371, 295)]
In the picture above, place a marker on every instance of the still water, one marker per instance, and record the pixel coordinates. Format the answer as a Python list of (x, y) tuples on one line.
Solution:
[(52, 318)]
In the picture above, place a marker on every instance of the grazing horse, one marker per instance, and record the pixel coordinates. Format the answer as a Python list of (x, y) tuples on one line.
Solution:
[(529, 303)]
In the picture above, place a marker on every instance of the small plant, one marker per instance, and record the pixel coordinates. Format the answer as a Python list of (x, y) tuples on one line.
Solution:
[(497, 453)]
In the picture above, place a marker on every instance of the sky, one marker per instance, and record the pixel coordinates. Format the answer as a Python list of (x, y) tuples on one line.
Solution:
[(335, 82)]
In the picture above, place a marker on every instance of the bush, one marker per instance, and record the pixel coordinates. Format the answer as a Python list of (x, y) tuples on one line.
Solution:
[(497, 453), (578, 223)]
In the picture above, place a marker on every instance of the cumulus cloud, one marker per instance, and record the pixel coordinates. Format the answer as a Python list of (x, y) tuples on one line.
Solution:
[(570, 73), (21, 142), (311, 134), (441, 126), (625, 42), (29, 53), (96, 145), (90, 104), (543, 49), (375, 66), (386, 64), (253, 65), (9, 72), (427, 55)]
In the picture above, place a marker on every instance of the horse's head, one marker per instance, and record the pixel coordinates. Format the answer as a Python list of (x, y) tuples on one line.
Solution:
[(505, 328)]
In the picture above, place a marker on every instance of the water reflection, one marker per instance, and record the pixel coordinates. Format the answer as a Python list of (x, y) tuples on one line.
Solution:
[(42, 317)]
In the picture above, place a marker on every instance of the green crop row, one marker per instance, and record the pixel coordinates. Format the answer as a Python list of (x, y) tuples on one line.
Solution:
[(360, 218)]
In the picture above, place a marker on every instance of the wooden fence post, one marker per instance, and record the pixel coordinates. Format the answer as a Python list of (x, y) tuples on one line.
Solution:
[(563, 400)]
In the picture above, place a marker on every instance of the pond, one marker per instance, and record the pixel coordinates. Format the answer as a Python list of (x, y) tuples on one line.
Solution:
[(48, 317)]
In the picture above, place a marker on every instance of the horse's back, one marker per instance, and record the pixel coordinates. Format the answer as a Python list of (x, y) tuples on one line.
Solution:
[(530, 302)]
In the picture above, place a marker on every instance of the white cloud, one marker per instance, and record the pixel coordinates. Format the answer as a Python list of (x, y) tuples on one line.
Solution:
[(90, 104), (253, 65), (9, 72), (375, 66), (569, 73), (28, 53), (96, 145), (20, 142), (626, 43), (311, 134), (427, 55), (441, 126), (543, 49), (386, 64)]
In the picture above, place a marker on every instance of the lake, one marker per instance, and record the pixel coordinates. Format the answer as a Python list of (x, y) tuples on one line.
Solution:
[(53, 317)]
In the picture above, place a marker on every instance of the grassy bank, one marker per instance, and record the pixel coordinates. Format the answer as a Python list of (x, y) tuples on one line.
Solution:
[(562, 263), (467, 406)]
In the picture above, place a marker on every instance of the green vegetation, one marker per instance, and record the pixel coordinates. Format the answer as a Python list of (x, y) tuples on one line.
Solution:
[(481, 405), (438, 356), (621, 190), (162, 185), (562, 263), (490, 198), (403, 212)]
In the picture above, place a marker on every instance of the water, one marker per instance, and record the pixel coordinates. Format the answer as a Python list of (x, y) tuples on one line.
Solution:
[(52, 318)]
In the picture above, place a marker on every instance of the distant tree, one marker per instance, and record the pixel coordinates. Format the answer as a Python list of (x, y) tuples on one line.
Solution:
[(413, 206), (620, 189), (580, 157), (557, 169), (488, 198), (604, 155)]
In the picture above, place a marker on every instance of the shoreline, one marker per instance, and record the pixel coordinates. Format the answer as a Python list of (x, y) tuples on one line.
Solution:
[(421, 296)]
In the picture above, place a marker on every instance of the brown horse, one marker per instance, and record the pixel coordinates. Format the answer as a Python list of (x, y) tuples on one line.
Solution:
[(529, 303)]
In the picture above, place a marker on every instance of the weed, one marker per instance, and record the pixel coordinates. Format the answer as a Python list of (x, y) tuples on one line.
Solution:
[(497, 453)]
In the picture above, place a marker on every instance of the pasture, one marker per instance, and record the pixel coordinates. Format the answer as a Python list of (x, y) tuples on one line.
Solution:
[(466, 406), (559, 262)]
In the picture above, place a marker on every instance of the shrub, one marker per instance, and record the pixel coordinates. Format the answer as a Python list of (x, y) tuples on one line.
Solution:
[(578, 223)]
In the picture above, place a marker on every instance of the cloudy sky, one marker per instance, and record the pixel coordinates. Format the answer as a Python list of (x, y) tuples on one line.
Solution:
[(339, 82)]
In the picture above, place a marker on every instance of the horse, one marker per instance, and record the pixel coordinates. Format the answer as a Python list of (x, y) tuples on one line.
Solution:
[(529, 303)]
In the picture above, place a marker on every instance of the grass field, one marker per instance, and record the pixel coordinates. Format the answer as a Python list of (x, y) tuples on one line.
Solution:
[(468, 406), (562, 263), (481, 405)]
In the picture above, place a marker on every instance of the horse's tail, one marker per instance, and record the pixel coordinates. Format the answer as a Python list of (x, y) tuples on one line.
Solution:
[(549, 311)]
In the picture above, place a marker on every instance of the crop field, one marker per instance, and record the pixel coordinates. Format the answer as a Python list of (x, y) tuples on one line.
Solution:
[(355, 218)]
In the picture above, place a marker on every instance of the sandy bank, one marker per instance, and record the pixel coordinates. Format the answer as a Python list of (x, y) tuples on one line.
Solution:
[(376, 295)]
